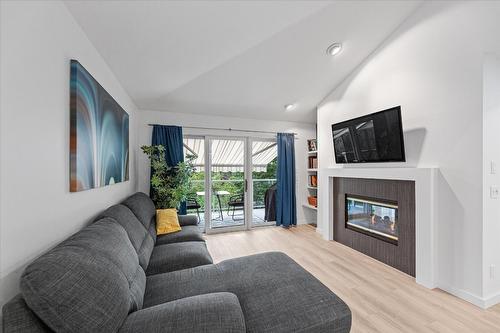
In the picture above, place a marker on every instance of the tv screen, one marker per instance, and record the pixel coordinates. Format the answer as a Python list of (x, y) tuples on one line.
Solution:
[(377, 137)]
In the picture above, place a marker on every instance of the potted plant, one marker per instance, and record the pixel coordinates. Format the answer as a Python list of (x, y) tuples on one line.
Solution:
[(170, 184)]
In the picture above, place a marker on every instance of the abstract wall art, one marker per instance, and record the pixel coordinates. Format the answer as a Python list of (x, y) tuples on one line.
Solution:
[(99, 134)]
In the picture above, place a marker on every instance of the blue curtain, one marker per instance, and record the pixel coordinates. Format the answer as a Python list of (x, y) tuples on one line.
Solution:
[(286, 210), (171, 138)]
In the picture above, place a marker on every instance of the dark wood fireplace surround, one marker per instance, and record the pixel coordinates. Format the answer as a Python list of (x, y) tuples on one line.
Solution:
[(401, 255)]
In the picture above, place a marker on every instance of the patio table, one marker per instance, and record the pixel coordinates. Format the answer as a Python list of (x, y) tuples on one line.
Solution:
[(218, 194)]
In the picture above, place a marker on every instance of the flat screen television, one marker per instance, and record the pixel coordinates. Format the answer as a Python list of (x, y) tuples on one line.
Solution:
[(377, 137)]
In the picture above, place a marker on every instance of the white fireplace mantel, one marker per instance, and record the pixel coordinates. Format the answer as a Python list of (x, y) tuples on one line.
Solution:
[(425, 202)]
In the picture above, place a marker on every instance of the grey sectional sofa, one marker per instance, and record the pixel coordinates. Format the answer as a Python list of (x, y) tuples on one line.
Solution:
[(115, 275)]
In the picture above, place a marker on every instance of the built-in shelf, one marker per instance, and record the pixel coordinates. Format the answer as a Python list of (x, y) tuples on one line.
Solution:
[(312, 176), (310, 207)]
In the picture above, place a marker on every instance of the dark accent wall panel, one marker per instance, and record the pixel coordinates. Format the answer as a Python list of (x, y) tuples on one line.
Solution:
[(400, 256)]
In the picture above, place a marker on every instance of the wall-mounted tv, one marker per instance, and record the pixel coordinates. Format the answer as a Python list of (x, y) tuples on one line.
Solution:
[(377, 137)]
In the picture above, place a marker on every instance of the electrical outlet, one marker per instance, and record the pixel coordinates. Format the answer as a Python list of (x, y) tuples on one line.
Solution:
[(492, 272), (494, 192)]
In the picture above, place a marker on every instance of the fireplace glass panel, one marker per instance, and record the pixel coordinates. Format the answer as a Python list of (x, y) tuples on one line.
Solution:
[(374, 217)]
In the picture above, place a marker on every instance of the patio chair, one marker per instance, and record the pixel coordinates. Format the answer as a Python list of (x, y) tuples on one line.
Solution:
[(270, 203), (235, 201), (192, 203)]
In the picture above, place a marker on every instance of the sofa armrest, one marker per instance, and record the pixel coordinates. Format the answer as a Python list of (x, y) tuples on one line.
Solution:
[(188, 220), (18, 317), (215, 312)]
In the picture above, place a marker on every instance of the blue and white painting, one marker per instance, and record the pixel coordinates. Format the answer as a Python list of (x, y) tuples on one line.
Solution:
[(99, 134)]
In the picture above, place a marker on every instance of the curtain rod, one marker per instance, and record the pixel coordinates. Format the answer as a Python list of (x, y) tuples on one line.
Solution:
[(228, 129)]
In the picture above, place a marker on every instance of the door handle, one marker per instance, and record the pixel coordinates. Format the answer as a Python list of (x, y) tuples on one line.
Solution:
[(246, 185)]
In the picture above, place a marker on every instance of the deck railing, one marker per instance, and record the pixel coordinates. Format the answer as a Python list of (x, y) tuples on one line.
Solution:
[(234, 187)]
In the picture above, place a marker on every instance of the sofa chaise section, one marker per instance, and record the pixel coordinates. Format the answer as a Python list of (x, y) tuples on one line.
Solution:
[(275, 293)]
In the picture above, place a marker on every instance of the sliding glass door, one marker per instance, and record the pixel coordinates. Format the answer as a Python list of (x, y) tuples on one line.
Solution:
[(195, 146), (233, 187), (263, 172), (228, 183)]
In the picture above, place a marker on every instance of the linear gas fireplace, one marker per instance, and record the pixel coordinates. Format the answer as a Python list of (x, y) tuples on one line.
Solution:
[(376, 217), (373, 217)]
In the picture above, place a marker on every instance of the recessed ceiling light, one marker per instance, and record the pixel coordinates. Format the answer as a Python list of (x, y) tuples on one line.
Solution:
[(334, 49), (289, 107)]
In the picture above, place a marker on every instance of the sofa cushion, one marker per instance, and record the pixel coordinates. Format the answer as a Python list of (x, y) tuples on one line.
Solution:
[(217, 312), (144, 209), (275, 293), (138, 235), (152, 229), (88, 283), (188, 220), (188, 233), (176, 256)]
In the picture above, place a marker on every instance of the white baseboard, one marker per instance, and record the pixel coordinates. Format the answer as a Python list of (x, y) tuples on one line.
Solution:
[(492, 300), (482, 302), (301, 221), (319, 230)]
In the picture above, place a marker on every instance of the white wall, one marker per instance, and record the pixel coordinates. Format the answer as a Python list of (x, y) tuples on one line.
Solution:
[(37, 41), (305, 131), (491, 137), (432, 67)]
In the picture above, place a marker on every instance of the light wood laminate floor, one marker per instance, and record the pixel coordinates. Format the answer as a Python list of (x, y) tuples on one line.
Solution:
[(381, 298)]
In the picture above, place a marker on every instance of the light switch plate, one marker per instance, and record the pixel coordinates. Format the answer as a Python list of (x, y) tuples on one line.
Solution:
[(494, 192), (493, 168)]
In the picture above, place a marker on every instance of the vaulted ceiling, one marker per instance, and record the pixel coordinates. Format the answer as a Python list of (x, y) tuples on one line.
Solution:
[(235, 58)]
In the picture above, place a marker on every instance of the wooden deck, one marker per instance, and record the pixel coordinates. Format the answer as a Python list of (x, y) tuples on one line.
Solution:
[(229, 221)]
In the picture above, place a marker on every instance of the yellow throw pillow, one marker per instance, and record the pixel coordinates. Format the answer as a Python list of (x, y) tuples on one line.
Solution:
[(167, 221)]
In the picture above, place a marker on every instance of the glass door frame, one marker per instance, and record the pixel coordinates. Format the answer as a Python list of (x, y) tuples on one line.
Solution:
[(208, 185), (202, 137), (251, 181)]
